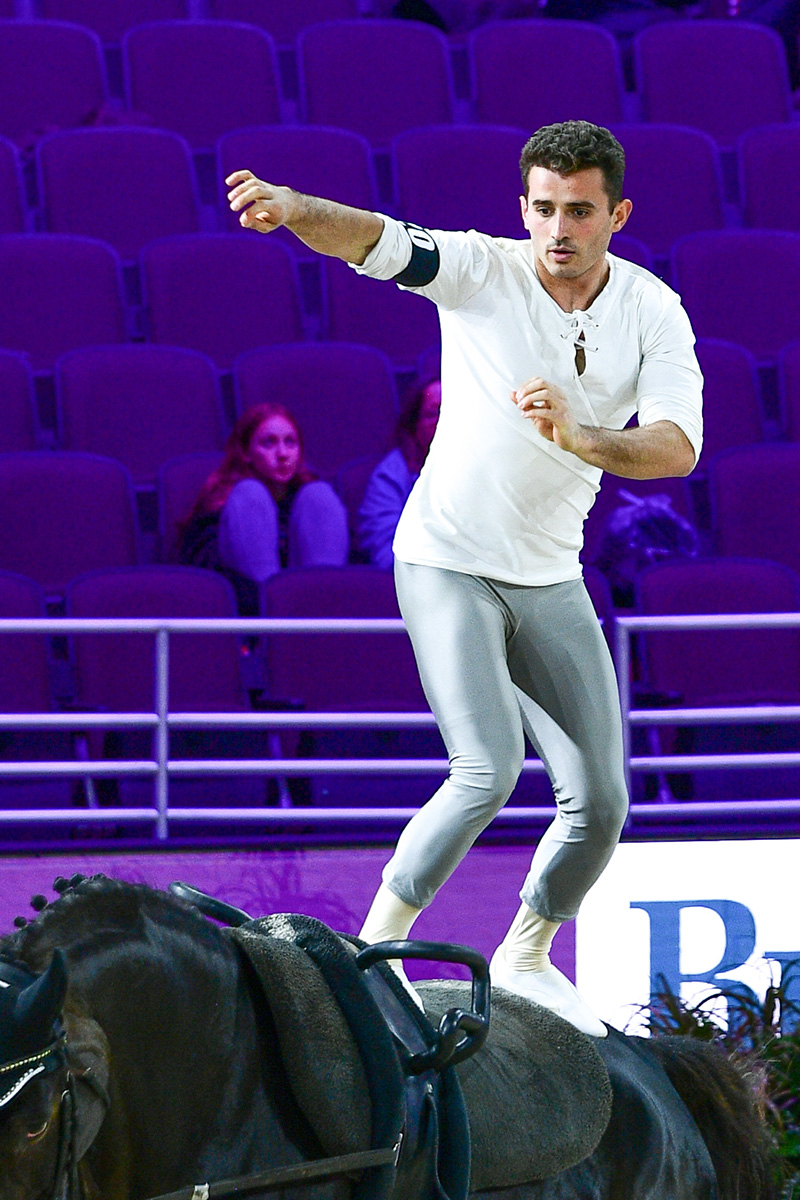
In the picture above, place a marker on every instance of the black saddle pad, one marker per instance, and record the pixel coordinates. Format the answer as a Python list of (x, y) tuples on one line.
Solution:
[(537, 1079)]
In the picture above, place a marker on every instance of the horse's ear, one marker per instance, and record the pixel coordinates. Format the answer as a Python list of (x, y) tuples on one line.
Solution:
[(40, 1004)]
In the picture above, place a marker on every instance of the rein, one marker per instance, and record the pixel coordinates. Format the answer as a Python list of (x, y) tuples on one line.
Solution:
[(280, 1177)]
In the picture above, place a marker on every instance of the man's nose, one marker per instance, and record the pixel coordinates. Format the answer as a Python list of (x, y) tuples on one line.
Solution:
[(558, 225)]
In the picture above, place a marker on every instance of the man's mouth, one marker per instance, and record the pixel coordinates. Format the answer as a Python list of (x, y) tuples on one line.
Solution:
[(561, 253)]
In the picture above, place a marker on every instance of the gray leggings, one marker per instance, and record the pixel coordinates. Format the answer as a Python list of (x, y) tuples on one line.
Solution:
[(496, 659)]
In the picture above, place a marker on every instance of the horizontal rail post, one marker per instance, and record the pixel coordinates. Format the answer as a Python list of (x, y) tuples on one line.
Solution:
[(708, 762), (69, 720), (80, 768), (790, 620), (753, 715), (238, 625), (322, 766)]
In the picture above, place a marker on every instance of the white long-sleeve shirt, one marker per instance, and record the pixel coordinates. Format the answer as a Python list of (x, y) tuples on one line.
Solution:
[(494, 497)]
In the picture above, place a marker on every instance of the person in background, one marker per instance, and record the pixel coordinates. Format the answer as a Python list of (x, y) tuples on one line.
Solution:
[(391, 482), (262, 509)]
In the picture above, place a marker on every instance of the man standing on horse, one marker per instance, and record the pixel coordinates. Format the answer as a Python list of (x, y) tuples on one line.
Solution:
[(549, 347)]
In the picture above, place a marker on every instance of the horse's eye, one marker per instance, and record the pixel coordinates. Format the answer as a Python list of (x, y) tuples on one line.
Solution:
[(35, 1134)]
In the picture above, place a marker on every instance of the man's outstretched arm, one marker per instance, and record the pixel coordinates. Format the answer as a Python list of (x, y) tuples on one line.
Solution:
[(327, 227)]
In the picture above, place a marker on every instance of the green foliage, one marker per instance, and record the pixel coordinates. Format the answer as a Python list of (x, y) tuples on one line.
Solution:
[(764, 1038)]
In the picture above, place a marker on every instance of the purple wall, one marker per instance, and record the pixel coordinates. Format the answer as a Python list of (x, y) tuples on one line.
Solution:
[(336, 885)]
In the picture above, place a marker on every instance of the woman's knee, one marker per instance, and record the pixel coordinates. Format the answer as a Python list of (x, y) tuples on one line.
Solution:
[(318, 532)]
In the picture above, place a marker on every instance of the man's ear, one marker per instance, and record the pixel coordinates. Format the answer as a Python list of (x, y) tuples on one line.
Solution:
[(621, 214)]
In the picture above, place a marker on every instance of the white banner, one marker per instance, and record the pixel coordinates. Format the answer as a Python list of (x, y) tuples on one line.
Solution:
[(694, 916)]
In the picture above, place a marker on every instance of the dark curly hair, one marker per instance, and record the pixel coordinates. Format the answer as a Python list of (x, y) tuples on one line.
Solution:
[(576, 146)]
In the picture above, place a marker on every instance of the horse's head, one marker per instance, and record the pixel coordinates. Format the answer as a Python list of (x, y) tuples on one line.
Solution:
[(33, 1076)]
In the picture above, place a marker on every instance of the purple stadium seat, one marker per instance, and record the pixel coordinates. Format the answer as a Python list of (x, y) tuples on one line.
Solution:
[(731, 407), (12, 208), (351, 484), (532, 73), (59, 292), (179, 483), (63, 514), (18, 421), (633, 250), (608, 498), (317, 160), (25, 688), (338, 672), (283, 21), (427, 162), (24, 678), (717, 666), (111, 18), (201, 78), (740, 285), (375, 77), (379, 314), (139, 404), (673, 177), (717, 75), (789, 384), (221, 293), (115, 671), (148, 172), (357, 383), (755, 497), (52, 76), (769, 177)]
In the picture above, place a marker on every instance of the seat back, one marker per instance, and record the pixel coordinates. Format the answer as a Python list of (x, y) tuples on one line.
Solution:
[(735, 283), (284, 21), (375, 77), (769, 177), (674, 177), (755, 499), (523, 77), (12, 211), (717, 666), (377, 313), (428, 162), (138, 167), (111, 18), (18, 420), (191, 282), (52, 76), (24, 677), (115, 672), (338, 672), (630, 248), (731, 405), (717, 75), (179, 482), (789, 386), (139, 404), (314, 159), (59, 292), (609, 498), (198, 77), (63, 514), (357, 382)]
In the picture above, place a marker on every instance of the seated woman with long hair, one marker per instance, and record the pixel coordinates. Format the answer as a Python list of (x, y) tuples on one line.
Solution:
[(262, 509)]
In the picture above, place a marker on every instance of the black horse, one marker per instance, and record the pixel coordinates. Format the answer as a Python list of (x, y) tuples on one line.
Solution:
[(167, 1063)]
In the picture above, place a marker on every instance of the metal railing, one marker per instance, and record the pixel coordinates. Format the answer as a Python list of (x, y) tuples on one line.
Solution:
[(161, 767)]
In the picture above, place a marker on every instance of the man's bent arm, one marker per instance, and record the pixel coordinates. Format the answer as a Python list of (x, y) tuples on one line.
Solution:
[(652, 451), (642, 452), (325, 226)]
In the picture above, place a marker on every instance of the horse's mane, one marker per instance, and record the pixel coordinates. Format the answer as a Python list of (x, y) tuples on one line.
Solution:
[(99, 905), (720, 1090)]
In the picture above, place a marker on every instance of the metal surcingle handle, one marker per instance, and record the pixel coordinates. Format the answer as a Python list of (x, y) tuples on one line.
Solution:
[(460, 1033)]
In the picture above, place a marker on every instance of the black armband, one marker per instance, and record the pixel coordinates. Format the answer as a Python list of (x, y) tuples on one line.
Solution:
[(423, 266)]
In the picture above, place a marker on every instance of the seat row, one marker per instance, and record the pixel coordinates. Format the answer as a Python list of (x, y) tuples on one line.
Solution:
[(225, 294), (64, 513), (144, 404), (379, 77), (127, 186)]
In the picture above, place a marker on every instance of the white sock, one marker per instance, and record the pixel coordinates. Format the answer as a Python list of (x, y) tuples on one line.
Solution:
[(389, 920), (526, 946)]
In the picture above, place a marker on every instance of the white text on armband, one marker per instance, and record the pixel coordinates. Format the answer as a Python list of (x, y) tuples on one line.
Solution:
[(423, 266)]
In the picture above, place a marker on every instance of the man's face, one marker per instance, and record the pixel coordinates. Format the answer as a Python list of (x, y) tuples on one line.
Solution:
[(569, 222)]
